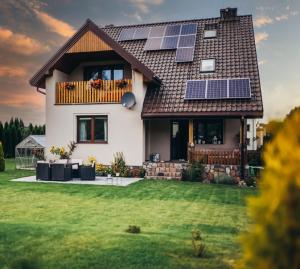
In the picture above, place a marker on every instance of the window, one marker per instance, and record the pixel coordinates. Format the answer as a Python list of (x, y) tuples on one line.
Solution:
[(248, 141), (103, 72), (210, 33), (208, 65), (92, 129), (208, 132), (248, 127)]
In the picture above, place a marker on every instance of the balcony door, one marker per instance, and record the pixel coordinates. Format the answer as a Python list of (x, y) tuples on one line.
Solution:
[(179, 139), (115, 72)]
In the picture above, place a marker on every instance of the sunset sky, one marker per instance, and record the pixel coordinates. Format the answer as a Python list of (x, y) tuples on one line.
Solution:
[(31, 31)]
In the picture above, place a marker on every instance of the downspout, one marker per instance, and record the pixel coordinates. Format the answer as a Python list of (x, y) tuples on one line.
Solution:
[(39, 91)]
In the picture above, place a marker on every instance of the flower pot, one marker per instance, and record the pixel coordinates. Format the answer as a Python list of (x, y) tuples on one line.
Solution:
[(117, 174)]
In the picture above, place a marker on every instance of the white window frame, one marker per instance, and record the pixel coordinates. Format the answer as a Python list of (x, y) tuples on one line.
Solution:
[(213, 65), (208, 33)]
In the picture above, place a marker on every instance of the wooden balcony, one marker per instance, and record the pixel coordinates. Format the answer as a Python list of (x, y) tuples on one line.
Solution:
[(86, 92), (226, 157)]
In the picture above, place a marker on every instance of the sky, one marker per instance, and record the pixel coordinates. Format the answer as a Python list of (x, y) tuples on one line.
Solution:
[(31, 31)]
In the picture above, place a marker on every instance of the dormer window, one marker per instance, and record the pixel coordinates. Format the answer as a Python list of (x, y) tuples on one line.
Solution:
[(210, 33), (210, 30), (208, 65)]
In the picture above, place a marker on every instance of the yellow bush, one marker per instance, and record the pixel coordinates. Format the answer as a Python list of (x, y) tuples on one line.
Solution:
[(273, 238)]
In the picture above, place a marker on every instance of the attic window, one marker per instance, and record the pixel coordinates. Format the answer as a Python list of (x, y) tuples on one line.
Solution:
[(210, 30), (208, 65)]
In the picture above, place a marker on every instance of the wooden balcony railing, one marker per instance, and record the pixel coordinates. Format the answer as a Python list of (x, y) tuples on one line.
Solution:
[(86, 92), (230, 157)]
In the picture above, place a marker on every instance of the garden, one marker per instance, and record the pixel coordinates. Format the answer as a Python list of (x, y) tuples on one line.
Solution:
[(64, 226)]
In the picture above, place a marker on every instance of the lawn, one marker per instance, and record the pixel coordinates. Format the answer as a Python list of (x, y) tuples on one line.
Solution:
[(68, 226)]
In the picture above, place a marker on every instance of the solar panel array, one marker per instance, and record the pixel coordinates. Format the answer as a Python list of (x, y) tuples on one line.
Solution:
[(181, 37), (218, 89)]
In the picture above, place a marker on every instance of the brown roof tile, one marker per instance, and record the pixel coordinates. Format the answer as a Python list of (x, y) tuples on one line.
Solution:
[(235, 53)]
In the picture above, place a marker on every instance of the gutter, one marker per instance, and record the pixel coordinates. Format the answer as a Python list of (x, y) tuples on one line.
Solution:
[(39, 91)]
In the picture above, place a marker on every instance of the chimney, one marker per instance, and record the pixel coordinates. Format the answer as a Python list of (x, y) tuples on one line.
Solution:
[(228, 14)]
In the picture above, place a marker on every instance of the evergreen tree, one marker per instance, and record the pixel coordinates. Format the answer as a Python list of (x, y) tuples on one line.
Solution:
[(2, 161), (273, 240), (1, 132), (13, 140), (30, 129), (6, 139)]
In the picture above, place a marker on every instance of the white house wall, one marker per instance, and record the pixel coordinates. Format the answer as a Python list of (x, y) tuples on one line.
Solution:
[(125, 127)]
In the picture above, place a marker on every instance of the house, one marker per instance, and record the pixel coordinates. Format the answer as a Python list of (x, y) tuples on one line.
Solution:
[(194, 84), (251, 137)]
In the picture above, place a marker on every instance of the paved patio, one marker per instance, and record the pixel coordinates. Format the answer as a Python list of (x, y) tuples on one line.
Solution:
[(114, 181)]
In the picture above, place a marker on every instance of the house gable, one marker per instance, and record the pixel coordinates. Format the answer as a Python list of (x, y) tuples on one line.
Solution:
[(89, 42)]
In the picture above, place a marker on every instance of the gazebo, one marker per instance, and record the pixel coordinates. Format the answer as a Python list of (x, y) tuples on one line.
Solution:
[(29, 151)]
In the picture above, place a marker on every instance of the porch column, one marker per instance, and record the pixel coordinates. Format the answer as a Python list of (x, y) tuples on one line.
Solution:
[(191, 132), (243, 147), (191, 140)]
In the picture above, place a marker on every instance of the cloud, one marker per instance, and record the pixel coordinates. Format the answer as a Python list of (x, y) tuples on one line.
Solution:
[(136, 16), (55, 25), (260, 37), (20, 43), (12, 71), (282, 17), (143, 5), (262, 21), (262, 62)]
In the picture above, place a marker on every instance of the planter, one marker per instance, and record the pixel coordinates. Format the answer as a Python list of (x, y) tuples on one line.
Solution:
[(87, 172)]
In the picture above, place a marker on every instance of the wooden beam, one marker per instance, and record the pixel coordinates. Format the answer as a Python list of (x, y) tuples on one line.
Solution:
[(191, 132), (243, 147)]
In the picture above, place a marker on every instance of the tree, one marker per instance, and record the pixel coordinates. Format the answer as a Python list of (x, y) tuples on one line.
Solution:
[(1, 132), (273, 240), (2, 161)]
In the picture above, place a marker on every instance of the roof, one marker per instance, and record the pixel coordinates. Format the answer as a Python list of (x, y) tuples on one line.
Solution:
[(33, 141), (235, 53), (38, 80)]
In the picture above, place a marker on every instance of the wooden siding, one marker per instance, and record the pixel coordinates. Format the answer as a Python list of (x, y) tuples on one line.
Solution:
[(83, 93), (89, 42), (230, 157)]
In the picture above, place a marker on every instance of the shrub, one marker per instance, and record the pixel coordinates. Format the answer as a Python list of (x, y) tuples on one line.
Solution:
[(2, 160), (198, 244), (142, 172), (194, 172), (224, 179), (133, 229), (272, 240), (119, 164)]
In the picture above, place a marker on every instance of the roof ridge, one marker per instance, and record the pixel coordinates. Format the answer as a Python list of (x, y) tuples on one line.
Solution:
[(166, 22)]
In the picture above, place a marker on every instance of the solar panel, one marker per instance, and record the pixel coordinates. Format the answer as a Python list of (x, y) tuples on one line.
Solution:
[(189, 29), (195, 89), (157, 31), (239, 88), (216, 89), (153, 43), (126, 34), (187, 41), (184, 55), (141, 33), (173, 30), (169, 42)]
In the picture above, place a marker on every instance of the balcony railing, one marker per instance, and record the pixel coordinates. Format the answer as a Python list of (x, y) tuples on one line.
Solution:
[(86, 92), (230, 157)]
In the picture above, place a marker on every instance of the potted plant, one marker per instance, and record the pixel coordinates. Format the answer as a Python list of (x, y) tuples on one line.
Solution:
[(97, 84), (122, 84), (62, 153), (119, 164), (69, 86)]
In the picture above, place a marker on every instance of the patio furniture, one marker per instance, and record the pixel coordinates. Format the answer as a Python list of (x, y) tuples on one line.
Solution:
[(76, 163), (61, 172), (88, 172), (43, 171)]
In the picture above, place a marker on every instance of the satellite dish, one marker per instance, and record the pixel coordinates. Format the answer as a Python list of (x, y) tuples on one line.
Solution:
[(128, 100)]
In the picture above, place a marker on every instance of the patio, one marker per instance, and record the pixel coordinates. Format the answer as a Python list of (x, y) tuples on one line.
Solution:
[(112, 181)]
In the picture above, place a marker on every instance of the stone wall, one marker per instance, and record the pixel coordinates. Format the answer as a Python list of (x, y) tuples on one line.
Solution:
[(164, 170), (216, 172), (173, 170)]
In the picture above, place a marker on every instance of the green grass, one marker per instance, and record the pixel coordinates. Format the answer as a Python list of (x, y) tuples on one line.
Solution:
[(69, 226)]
